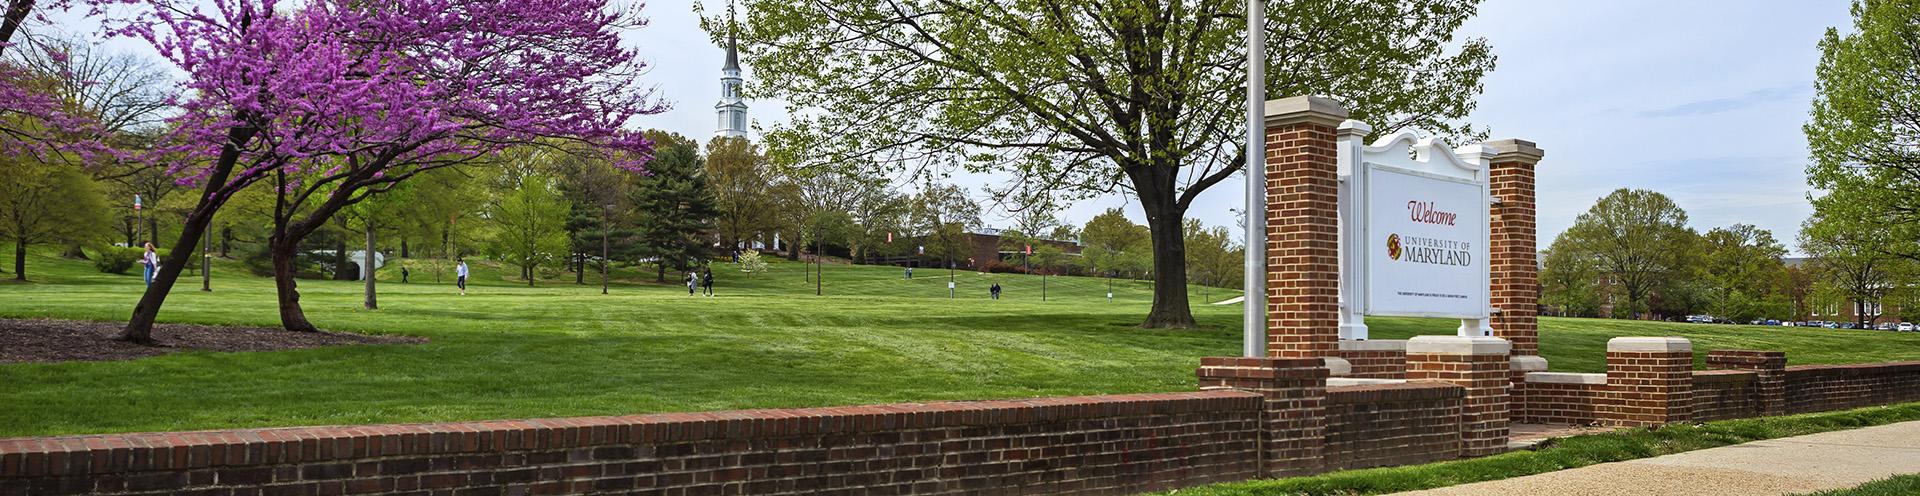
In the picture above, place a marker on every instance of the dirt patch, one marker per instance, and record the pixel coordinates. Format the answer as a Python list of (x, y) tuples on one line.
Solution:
[(49, 340)]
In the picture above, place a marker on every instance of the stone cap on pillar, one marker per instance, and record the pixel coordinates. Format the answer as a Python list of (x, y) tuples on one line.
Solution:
[(1528, 363), (1649, 345), (1458, 345), (1297, 109), (1512, 150)]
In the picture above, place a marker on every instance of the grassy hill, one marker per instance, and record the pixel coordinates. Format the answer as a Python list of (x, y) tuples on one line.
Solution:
[(560, 349)]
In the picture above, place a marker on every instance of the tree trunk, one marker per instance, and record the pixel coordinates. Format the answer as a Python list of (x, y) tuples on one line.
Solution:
[(366, 269), (16, 15), (404, 254), (153, 227), (206, 262), (286, 288), (580, 269), (140, 327), (529, 270), (1164, 216), (340, 260), (662, 265), (19, 259), (226, 241), (127, 227)]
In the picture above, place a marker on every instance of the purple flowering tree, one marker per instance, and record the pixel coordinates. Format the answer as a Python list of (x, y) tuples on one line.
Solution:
[(335, 100)]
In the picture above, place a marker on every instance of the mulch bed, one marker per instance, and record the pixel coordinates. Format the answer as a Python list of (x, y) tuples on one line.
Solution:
[(49, 340)]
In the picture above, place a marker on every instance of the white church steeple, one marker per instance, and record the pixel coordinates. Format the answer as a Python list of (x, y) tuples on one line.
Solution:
[(732, 109)]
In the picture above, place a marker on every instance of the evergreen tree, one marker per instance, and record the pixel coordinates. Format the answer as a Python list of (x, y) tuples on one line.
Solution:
[(673, 209)]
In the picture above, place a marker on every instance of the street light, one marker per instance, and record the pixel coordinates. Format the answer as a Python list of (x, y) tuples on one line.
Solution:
[(606, 225)]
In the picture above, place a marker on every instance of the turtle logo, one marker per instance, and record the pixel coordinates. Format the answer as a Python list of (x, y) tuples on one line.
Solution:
[(1393, 246)]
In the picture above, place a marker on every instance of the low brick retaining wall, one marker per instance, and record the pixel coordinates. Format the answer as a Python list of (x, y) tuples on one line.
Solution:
[(1094, 445), (1256, 417), (1392, 424), (1812, 388)]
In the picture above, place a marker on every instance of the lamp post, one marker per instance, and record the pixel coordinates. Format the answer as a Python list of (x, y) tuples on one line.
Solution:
[(1253, 302), (606, 227)]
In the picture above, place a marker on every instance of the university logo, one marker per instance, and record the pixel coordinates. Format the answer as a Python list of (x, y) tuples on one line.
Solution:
[(1393, 246)]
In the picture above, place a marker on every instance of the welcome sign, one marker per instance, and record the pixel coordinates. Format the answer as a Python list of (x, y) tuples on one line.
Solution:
[(1426, 247)]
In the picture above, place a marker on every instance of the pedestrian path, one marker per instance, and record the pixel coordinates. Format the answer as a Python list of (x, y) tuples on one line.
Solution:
[(1792, 465)]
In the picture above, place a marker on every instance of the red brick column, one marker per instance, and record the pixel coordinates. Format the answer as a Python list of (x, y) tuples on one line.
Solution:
[(1481, 365), (1516, 277), (1649, 381), (1295, 417), (1303, 245), (1770, 378)]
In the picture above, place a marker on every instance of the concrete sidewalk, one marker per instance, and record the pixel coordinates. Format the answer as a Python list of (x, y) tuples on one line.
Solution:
[(1814, 462)]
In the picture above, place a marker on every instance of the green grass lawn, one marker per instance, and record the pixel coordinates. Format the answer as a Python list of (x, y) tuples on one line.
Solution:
[(508, 351), (1903, 485)]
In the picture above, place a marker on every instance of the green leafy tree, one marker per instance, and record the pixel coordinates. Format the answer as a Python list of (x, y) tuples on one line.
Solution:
[(1865, 123), (1213, 259), (1640, 241), (742, 182), (47, 203), (1850, 266), (1082, 98), (529, 225), (370, 216), (1570, 280), (672, 207), (1114, 246), (942, 214), (1742, 264)]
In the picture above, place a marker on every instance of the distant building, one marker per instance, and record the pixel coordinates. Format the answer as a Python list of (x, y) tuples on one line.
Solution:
[(732, 109)]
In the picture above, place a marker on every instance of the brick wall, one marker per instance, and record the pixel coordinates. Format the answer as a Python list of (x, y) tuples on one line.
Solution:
[(1560, 403), (1375, 359), (1392, 424), (1812, 388), (1724, 394), (1097, 445)]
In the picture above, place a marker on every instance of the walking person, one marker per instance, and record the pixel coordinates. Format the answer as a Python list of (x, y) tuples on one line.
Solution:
[(707, 281), (403, 275), (691, 282), (995, 290), (151, 261), (460, 271)]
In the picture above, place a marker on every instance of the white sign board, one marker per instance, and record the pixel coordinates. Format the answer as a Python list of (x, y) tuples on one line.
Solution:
[(1426, 246)]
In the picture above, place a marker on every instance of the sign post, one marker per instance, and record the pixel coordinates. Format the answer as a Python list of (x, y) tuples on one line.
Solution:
[(1253, 337)]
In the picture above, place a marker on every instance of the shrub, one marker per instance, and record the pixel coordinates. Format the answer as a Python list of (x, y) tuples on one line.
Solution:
[(751, 263), (115, 259), (120, 259), (999, 267)]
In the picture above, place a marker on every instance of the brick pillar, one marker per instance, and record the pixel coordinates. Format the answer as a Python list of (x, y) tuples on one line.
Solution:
[(1770, 375), (1649, 381), (1303, 244), (1295, 414), (1516, 277), (1481, 365)]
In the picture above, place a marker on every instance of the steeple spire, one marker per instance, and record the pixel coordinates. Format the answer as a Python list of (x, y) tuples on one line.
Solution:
[(733, 55), (731, 112)]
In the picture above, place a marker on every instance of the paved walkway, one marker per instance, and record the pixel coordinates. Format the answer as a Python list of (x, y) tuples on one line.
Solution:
[(1791, 465)]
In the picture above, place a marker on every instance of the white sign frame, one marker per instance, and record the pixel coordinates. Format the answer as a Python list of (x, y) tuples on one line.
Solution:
[(1407, 153)]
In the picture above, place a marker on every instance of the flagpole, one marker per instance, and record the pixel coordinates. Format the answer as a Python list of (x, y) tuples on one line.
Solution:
[(1254, 328)]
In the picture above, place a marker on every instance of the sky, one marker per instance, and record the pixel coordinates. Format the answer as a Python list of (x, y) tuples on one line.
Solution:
[(1699, 100)]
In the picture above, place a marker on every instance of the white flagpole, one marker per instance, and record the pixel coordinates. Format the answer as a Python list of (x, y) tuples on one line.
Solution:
[(1254, 330)]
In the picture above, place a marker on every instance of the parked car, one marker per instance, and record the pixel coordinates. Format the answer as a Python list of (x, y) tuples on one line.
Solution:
[(1848, 325), (1771, 322), (1883, 326), (1904, 327)]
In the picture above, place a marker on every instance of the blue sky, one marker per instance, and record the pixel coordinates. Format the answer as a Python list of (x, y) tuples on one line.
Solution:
[(1700, 100)]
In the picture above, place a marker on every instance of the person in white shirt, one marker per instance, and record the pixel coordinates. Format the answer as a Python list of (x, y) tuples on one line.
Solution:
[(461, 272), (151, 261)]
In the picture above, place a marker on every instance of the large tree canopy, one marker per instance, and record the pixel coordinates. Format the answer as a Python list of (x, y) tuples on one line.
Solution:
[(1084, 98), (1865, 126)]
